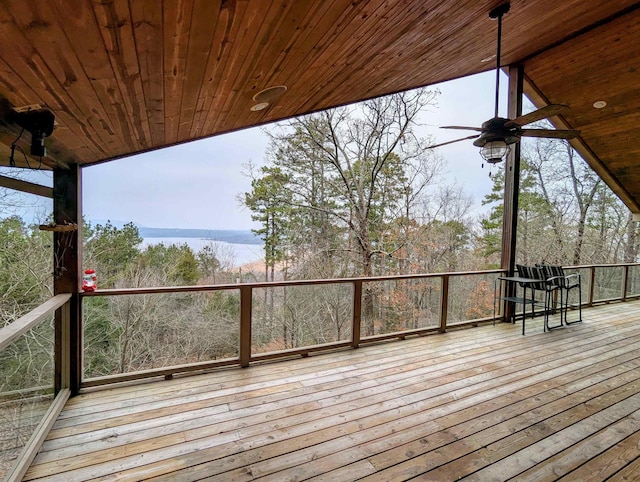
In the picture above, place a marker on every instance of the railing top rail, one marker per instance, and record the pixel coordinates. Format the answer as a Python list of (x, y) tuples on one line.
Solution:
[(276, 284), (613, 265), (23, 324)]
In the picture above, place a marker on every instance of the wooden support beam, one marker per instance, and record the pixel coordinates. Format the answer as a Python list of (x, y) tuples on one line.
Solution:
[(511, 185), (67, 246), (582, 148), (24, 186)]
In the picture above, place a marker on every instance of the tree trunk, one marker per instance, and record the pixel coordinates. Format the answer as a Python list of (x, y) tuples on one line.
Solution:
[(631, 249), (367, 296), (577, 250)]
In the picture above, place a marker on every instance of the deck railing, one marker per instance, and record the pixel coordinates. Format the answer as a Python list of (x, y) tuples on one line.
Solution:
[(363, 308), (364, 300), (28, 404)]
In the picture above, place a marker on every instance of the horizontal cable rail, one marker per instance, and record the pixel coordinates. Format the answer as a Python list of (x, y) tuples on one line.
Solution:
[(11, 332), (604, 265)]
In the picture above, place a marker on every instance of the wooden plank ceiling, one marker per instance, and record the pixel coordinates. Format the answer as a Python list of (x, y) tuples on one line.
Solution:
[(127, 76)]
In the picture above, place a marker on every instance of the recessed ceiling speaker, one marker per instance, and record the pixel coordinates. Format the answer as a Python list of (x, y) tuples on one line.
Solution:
[(270, 94)]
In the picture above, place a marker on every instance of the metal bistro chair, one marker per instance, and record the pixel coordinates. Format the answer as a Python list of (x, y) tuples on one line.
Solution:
[(531, 272), (559, 284)]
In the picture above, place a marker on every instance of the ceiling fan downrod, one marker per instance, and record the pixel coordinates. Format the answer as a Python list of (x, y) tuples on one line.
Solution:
[(497, 13)]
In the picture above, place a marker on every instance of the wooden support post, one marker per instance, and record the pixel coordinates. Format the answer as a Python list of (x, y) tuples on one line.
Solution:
[(246, 295), (444, 302), (511, 188), (592, 285), (356, 316), (67, 266), (625, 283)]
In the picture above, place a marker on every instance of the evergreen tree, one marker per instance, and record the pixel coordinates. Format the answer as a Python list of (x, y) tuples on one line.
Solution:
[(270, 203)]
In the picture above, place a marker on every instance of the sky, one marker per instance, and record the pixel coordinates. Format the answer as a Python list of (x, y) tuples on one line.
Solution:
[(196, 185)]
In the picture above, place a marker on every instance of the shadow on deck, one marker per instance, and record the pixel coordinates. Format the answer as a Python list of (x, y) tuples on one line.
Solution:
[(485, 403)]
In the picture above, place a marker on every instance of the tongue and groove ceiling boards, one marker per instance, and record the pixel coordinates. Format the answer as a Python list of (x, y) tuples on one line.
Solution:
[(128, 76)]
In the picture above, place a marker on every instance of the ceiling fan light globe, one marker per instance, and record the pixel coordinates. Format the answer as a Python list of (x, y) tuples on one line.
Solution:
[(494, 151)]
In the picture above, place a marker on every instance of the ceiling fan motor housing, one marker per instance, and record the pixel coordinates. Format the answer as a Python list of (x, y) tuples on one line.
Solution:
[(495, 130)]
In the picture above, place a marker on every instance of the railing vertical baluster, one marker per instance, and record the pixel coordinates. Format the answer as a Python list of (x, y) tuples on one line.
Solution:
[(246, 295), (356, 316), (444, 302), (625, 283), (592, 285)]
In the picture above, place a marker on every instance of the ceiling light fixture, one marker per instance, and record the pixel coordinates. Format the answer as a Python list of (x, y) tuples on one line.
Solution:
[(494, 151), (599, 104)]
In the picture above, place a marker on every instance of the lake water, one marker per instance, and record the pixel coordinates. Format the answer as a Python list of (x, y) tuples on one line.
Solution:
[(241, 253)]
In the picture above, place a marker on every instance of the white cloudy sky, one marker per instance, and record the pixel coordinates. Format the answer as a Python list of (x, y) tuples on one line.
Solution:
[(196, 185)]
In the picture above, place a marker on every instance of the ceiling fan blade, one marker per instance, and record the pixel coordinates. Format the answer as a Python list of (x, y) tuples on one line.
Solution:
[(550, 133), (451, 142), (536, 115), (479, 129)]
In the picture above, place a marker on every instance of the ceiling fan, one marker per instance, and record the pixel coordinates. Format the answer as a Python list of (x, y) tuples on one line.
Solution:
[(498, 133)]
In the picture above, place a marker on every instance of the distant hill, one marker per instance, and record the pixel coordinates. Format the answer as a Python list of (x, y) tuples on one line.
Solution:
[(226, 235)]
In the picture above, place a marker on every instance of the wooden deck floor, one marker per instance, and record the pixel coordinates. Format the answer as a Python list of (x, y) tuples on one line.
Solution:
[(485, 403)]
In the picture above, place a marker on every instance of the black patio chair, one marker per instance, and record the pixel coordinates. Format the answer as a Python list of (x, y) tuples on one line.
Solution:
[(531, 272), (558, 284)]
